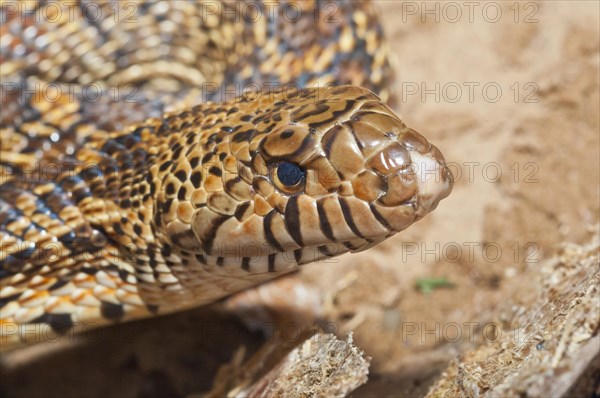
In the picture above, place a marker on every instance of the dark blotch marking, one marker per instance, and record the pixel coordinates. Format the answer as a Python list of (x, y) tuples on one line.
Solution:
[(381, 219), (181, 175), (271, 259), (123, 275), (269, 236), (170, 189), (196, 179), (243, 136), (349, 218), (318, 109), (177, 152), (307, 142), (190, 139), (207, 158), (60, 323), (292, 219), (324, 221), (298, 255), (270, 127), (113, 312), (329, 142), (8, 299), (67, 238), (246, 264), (241, 209), (166, 207), (55, 286), (152, 308), (215, 171), (165, 251), (211, 233), (334, 115), (165, 165), (181, 193), (89, 270)]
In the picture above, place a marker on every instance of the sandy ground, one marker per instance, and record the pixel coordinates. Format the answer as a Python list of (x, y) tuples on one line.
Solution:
[(510, 93)]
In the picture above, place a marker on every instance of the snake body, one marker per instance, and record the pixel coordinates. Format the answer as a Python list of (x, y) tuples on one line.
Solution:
[(121, 208)]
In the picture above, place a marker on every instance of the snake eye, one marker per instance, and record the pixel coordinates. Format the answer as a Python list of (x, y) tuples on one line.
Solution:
[(289, 176)]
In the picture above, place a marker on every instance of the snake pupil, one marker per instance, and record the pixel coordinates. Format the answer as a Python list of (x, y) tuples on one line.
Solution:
[(290, 174)]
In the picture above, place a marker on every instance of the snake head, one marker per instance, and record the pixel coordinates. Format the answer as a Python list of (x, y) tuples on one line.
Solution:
[(307, 175)]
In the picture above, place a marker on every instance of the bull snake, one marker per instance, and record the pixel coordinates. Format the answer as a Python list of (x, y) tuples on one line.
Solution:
[(157, 156)]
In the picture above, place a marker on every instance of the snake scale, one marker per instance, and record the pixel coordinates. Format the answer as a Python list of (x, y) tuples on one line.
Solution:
[(157, 156)]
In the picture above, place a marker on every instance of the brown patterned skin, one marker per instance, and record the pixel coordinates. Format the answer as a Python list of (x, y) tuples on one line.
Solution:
[(113, 210)]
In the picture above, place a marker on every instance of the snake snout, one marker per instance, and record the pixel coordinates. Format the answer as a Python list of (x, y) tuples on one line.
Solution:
[(406, 178), (432, 176), (417, 173)]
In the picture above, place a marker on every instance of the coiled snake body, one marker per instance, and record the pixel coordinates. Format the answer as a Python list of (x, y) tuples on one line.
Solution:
[(161, 190)]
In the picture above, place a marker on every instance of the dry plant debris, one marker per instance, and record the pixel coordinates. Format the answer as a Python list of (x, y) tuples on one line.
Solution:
[(321, 366), (553, 351)]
